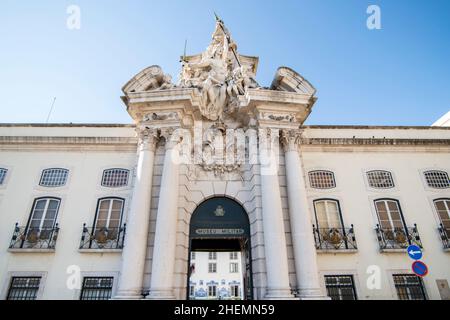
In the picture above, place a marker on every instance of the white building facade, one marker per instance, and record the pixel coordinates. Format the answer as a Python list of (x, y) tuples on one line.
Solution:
[(217, 163)]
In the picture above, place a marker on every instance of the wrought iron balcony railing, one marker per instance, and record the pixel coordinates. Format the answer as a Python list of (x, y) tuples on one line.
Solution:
[(34, 238), (397, 238), (335, 238), (445, 236), (102, 238)]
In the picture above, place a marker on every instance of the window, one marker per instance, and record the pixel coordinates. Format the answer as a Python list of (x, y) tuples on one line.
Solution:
[(234, 267), (322, 179), (109, 213), (389, 214), (233, 255), (212, 256), (409, 287), (328, 215), (54, 177), (212, 291), (443, 210), (192, 255), (115, 178), (340, 287), (96, 288), (380, 179), (23, 288), (43, 215), (192, 290), (235, 292), (437, 179), (2, 175), (212, 267)]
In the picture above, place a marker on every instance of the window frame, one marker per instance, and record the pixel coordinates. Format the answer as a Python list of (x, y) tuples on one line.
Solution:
[(420, 282), (352, 286), (43, 172), (323, 171), (11, 280), (368, 172), (127, 185), (99, 200), (35, 201), (236, 264), (341, 219), (5, 176), (402, 217), (210, 286), (98, 277), (210, 264), (425, 180)]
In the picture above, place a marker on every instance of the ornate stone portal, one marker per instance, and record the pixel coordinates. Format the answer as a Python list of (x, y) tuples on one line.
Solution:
[(218, 105)]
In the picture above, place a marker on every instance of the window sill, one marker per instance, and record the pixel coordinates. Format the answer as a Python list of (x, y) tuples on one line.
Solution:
[(30, 250), (100, 250), (333, 251), (394, 250)]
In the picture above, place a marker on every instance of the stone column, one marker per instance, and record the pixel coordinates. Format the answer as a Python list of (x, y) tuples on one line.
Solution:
[(274, 235), (300, 218), (163, 262), (135, 247)]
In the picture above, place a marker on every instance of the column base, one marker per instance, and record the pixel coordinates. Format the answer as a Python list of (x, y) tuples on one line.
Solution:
[(161, 294), (312, 294), (128, 295), (279, 294)]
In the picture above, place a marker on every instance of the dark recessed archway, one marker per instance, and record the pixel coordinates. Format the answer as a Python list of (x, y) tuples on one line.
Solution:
[(221, 224)]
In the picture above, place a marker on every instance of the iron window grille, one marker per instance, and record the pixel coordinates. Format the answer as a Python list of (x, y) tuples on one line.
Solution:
[(34, 237), (23, 288), (437, 179), (96, 288), (2, 175), (102, 238), (379, 179), (398, 238), (322, 179), (114, 178), (340, 287), (54, 177), (335, 238), (409, 287)]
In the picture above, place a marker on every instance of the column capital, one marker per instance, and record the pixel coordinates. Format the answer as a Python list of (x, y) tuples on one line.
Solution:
[(148, 138), (172, 137), (290, 139)]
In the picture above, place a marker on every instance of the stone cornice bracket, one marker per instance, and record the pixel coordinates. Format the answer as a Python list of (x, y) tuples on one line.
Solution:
[(290, 139), (148, 138)]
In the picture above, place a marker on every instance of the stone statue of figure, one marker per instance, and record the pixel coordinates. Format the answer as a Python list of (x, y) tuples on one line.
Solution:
[(219, 76), (213, 69)]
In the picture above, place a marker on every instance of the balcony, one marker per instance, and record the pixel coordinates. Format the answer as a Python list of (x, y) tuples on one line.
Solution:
[(445, 236), (34, 239), (101, 239), (335, 239), (397, 239)]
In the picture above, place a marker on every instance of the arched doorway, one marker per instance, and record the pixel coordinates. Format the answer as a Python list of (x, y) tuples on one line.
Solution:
[(219, 263)]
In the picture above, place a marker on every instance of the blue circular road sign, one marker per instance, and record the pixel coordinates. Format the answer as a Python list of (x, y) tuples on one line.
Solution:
[(414, 252), (420, 268)]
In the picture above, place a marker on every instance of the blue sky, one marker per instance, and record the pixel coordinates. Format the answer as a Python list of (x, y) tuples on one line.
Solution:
[(399, 75)]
